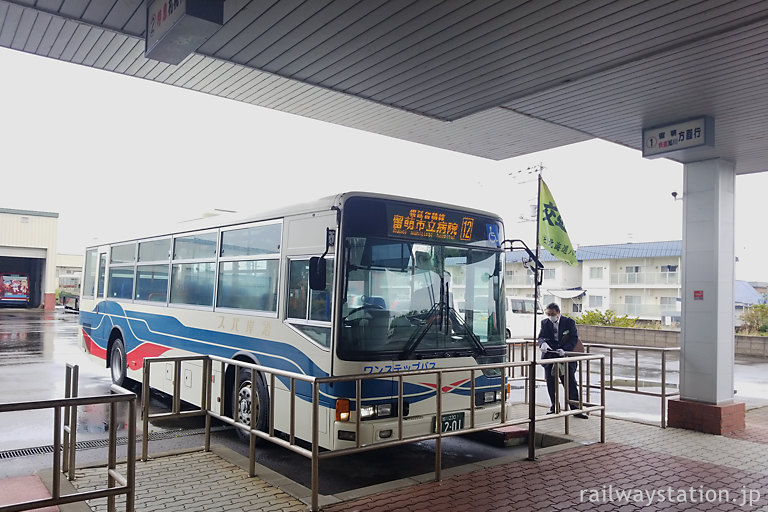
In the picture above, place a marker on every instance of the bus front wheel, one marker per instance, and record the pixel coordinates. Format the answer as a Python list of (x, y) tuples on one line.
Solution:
[(251, 400), (117, 362)]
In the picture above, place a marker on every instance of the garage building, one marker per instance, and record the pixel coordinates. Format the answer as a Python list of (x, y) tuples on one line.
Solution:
[(28, 246)]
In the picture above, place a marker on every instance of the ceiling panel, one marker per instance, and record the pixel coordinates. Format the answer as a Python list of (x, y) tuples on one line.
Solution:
[(723, 77), (490, 78)]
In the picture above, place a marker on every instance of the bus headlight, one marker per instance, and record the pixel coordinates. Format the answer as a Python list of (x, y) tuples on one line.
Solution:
[(487, 397), (369, 412)]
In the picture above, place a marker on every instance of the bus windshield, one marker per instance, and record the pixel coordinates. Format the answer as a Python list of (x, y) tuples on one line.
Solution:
[(414, 300)]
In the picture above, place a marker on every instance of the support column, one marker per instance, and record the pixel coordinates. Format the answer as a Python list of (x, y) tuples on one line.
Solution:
[(706, 399)]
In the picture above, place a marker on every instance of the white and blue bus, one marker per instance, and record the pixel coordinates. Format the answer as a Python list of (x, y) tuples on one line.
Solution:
[(357, 283)]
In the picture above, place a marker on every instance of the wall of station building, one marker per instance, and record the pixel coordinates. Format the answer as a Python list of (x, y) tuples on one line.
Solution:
[(28, 246)]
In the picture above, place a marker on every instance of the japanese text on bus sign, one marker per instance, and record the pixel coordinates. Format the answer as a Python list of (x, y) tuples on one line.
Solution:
[(432, 224)]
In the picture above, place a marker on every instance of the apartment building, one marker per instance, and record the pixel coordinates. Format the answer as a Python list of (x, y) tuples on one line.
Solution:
[(637, 279)]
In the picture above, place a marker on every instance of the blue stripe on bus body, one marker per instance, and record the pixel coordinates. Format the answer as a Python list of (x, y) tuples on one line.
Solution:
[(138, 328)]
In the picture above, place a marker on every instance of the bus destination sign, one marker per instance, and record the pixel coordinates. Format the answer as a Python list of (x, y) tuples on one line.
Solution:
[(431, 224)]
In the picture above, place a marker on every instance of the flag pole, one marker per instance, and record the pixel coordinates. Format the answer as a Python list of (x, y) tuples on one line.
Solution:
[(537, 271), (532, 369)]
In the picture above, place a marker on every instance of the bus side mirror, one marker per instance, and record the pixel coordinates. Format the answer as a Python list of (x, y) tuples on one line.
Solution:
[(317, 273)]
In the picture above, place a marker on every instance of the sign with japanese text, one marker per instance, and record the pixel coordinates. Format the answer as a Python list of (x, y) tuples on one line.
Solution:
[(698, 294), (430, 223), (176, 28), (660, 140), (552, 233), (161, 17)]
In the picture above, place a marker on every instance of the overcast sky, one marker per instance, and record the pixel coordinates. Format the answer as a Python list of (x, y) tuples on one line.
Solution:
[(111, 153)]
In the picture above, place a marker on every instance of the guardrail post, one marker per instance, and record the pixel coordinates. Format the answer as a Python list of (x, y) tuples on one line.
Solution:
[(566, 377), (223, 389), (315, 462), (664, 389), (252, 426), (176, 387), (56, 491), (531, 397), (602, 398), (271, 404), (112, 457), (145, 411), (439, 426), (610, 363), (70, 421), (207, 399), (131, 456), (637, 370), (589, 372)]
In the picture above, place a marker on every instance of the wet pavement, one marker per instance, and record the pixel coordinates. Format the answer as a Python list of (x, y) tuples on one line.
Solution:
[(35, 348)]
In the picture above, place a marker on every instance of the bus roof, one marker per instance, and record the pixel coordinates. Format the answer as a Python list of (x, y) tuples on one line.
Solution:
[(321, 204)]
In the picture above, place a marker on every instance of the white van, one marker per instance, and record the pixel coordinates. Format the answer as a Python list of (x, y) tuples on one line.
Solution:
[(520, 317)]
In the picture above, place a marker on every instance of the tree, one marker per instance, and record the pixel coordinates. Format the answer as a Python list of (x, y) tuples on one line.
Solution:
[(755, 319), (607, 318)]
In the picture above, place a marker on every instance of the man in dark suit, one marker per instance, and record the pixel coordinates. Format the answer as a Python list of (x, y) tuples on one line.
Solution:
[(558, 335)]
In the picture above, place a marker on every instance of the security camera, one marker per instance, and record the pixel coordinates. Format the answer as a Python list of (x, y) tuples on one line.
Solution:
[(674, 195)]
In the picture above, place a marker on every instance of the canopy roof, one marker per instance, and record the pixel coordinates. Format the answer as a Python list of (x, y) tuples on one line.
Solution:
[(486, 78)]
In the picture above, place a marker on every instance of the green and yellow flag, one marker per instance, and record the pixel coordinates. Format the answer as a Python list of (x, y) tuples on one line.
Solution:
[(552, 234)]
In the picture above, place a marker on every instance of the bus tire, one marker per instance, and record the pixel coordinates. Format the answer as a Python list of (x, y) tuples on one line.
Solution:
[(117, 362), (245, 403)]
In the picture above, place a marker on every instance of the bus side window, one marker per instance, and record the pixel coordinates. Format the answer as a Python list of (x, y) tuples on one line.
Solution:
[(298, 289), (309, 310), (320, 303), (304, 303), (100, 291)]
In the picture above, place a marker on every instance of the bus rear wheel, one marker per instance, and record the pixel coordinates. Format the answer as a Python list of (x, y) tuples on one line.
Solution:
[(117, 362), (251, 400)]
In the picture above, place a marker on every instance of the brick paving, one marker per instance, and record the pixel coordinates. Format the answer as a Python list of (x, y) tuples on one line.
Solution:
[(595, 478), (757, 427), (661, 469), (194, 481), (640, 467)]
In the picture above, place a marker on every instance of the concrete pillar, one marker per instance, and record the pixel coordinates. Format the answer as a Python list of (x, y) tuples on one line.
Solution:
[(707, 338)]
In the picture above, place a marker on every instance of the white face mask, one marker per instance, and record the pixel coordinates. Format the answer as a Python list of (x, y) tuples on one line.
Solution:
[(553, 318)]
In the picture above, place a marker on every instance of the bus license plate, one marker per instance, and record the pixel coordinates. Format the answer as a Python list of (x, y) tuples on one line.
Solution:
[(451, 422)]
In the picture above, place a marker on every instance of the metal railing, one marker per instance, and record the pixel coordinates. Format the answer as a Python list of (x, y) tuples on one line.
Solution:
[(665, 386), (126, 484), (522, 349), (646, 278), (655, 311), (313, 453), (71, 387)]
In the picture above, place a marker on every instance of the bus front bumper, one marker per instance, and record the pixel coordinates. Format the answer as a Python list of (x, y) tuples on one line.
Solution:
[(387, 430)]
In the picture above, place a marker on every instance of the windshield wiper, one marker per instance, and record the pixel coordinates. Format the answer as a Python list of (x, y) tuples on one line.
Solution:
[(418, 335), (433, 316), (467, 330)]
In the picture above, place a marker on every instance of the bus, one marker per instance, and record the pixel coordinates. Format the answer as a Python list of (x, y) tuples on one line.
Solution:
[(520, 317), (353, 284), (69, 291), (14, 289)]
